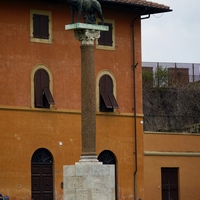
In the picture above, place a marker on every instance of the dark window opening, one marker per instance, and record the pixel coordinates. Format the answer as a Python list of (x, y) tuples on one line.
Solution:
[(40, 26), (107, 157), (48, 96), (107, 100), (42, 156), (43, 96), (106, 38)]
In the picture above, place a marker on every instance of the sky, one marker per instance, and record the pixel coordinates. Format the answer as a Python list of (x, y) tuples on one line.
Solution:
[(173, 36)]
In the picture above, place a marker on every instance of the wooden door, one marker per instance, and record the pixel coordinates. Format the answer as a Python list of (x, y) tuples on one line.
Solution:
[(42, 182), (169, 183)]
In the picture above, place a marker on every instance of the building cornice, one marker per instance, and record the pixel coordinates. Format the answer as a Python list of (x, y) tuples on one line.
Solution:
[(165, 153), (67, 111)]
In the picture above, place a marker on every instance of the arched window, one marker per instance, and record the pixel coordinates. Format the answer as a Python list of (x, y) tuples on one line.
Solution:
[(107, 101), (42, 94), (42, 156), (107, 157)]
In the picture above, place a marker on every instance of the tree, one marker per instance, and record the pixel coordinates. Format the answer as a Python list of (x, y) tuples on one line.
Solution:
[(161, 77)]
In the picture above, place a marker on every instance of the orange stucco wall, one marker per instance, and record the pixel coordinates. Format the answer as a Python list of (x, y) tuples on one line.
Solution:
[(24, 129), (19, 56), (172, 150)]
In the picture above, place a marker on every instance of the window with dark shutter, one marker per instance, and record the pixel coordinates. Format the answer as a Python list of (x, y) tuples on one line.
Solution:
[(107, 99), (38, 89), (40, 26), (48, 95), (106, 38), (113, 100), (43, 96)]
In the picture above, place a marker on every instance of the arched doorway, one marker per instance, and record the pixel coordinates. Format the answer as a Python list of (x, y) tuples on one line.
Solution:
[(42, 175), (108, 158)]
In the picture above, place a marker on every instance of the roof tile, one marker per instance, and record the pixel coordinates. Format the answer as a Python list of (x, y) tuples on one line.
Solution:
[(142, 3)]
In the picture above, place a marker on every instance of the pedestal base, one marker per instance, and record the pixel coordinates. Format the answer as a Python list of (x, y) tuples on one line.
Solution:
[(89, 179)]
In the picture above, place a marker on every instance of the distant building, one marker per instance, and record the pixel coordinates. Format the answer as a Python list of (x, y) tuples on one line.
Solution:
[(178, 76), (178, 73), (147, 76)]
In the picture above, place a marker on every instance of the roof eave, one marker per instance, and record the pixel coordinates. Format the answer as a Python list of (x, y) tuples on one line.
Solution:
[(140, 8), (155, 10)]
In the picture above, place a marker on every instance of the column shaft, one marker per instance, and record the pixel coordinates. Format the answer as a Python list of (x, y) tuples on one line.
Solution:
[(88, 107)]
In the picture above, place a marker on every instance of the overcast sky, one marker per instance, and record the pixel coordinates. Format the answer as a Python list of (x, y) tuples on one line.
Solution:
[(173, 36)]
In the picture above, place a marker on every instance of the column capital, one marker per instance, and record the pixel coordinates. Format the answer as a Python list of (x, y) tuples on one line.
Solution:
[(86, 36), (86, 33)]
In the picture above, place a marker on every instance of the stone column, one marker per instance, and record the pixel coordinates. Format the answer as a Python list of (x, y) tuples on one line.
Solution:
[(88, 178), (88, 108), (86, 34)]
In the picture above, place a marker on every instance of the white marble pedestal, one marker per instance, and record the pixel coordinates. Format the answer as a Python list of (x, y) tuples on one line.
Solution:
[(89, 179)]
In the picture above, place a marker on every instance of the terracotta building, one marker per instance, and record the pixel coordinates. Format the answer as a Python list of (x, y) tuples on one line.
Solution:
[(40, 97)]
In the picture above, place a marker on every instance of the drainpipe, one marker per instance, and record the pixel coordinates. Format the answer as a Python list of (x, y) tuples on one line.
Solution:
[(134, 65)]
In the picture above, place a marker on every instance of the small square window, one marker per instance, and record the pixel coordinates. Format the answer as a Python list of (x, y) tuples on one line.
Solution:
[(107, 38), (40, 26)]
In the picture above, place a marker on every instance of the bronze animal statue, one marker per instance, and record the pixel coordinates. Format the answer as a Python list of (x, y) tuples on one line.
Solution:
[(88, 8)]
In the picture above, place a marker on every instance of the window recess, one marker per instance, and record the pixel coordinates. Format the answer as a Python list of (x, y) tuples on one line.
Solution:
[(49, 96), (41, 26), (108, 101), (107, 38), (43, 96)]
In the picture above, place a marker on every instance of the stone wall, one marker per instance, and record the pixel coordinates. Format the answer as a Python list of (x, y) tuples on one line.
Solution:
[(172, 109)]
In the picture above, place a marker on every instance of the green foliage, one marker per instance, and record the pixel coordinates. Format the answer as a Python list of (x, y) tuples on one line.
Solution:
[(161, 77), (158, 79), (147, 78)]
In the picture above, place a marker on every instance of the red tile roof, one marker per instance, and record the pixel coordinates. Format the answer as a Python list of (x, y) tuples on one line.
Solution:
[(151, 7)]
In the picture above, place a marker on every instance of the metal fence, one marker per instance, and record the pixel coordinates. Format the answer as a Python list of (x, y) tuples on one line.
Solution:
[(194, 68), (170, 74)]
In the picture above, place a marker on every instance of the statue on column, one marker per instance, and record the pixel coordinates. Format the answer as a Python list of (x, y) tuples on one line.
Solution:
[(88, 8)]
